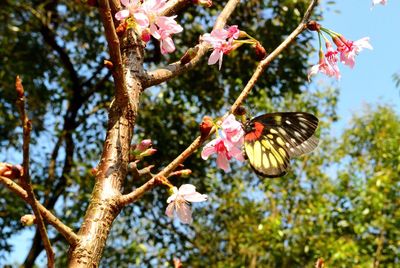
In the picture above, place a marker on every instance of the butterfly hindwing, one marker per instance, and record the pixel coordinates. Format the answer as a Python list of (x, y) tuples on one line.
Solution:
[(272, 139)]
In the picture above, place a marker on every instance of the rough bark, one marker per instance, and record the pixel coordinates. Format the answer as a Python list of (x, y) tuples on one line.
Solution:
[(112, 169)]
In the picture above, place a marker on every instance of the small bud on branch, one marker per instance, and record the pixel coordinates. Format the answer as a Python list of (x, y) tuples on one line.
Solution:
[(19, 87), (28, 220)]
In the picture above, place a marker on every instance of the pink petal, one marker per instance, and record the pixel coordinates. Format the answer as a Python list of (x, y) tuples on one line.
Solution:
[(123, 14), (167, 45), (142, 19), (214, 57), (184, 213), (208, 149), (237, 153), (154, 31), (125, 2), (187, 189), (196, 197), (222, 162), (169, 211)]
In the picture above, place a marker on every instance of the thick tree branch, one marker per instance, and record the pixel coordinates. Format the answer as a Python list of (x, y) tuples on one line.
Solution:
[(50, 218), (163, 74), (137, 193), (26, 180)]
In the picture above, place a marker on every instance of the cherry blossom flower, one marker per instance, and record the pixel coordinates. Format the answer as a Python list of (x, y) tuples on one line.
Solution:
[(222, 42), (233, 129), (227, 145), (149, 22), (224, 149), (132, 7), (179, 202), (382, 2), (162, 30), (325, 67), (350, 49)]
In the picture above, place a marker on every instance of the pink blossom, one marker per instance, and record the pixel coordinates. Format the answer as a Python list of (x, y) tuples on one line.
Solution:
[(131, 8), (222, 42), (178, 202), (349, 49), (324, 67), (224, 149), (233, 32), (162, 30), (149, 22), (218, 53), (382, 2), (233, 129)]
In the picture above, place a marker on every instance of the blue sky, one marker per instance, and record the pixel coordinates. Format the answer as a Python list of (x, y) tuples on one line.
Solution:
[(369, 82)]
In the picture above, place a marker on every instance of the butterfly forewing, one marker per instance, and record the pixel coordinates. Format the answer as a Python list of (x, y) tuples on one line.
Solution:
[(271, 140)]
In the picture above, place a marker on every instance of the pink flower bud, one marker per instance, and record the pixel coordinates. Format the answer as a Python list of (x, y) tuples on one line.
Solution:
[(148, 152), (143, 145), (146, 36), (206, 126), (205, 3)]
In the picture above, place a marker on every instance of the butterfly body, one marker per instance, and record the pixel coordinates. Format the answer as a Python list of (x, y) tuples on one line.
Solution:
[(272, 139)]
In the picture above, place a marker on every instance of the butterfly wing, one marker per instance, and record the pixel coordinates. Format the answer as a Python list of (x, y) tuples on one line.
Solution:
[(274, 138)]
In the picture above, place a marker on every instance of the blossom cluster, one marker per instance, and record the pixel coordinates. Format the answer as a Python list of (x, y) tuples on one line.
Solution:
[(145, 17), (222, 41), (227, 144), (346, 50)]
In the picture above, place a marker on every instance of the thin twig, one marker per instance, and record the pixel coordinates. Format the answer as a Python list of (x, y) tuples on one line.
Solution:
[(49, 217), (137, 193), (26, 180), (114, 50), (163, 74)]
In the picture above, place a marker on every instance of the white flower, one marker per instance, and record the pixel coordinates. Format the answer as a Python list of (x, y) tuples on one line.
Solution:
[(179, 202)]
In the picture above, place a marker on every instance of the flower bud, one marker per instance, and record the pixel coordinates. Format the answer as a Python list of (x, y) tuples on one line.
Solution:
[(11, 171), (260, 51), (143, 145), (182, 173), (109, 65), (18, 87), (189, 55), (148, 152), (312, 25), (205, 3), (28, 220), (206, 126), (146, 36)]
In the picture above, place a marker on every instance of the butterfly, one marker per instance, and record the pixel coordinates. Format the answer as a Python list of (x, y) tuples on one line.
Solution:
[(271, 140)]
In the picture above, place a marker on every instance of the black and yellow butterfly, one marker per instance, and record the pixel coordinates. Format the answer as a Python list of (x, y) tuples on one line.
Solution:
[(272, 139)]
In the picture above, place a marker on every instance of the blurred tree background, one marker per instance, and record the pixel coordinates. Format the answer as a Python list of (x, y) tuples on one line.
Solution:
[(341, 202)]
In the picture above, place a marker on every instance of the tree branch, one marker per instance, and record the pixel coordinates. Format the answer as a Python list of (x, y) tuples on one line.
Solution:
[(114, 49), (174, 6), (63, 229), (137, 193), (26, 180), (163, 74)]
